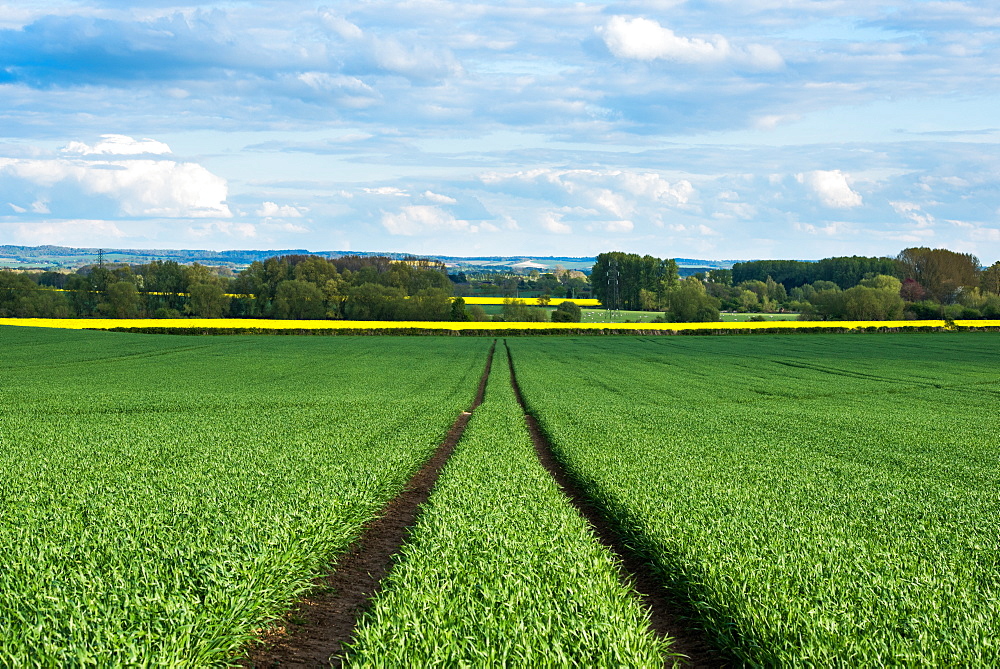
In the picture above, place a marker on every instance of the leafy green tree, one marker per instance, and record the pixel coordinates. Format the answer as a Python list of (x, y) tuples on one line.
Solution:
[(883, 282), (207, 300), (634, 273), (374, 302), (316, 270), (862, 303), (429, 304), (458, 311), (299, 300), (989, 280), (567, 312), (517, 311), (121, 300), (941, 272), (21, 297), (689, 302), (748, 301)]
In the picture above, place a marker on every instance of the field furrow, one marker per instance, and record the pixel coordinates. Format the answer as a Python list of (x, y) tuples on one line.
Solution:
[(157, 505), (501, 570), (849, 528)]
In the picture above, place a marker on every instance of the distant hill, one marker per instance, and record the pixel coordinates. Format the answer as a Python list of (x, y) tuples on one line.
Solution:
[(69, 258)]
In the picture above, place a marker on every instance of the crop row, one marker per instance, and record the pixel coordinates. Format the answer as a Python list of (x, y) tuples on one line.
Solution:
[(162, 498), (500, 569), (821, 501)]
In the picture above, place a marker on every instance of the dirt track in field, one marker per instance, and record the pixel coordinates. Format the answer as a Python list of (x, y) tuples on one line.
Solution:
[(314, 634), (666, 618)]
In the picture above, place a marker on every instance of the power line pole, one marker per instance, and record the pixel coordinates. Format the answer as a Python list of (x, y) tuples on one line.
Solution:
[(614, 296)]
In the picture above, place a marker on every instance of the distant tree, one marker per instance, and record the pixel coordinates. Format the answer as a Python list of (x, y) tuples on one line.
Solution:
[(649, 300), (989, 280), (458, 310), (748, 301), (429, 304), (207, 300), (374, 302), (121, 300), (722, 277), (544, 299), (567, 312), (299, 299), (315, 270), (941, 272), (478, 313), (689, 302), (862, 303), (883, 282), (911, 291), (517, 311), (634, 273)]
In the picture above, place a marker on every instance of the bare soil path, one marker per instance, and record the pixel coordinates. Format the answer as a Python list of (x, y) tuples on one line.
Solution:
[(315, 633), (667, 619)]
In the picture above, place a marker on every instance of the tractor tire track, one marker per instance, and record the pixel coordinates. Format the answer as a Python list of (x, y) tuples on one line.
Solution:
[(315, 634), (667, 620)]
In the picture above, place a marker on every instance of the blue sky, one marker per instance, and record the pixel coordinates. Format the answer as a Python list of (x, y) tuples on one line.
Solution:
[(715, 129)]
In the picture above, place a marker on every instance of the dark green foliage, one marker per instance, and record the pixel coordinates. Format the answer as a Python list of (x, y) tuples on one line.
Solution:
[(567, 312), (634, 274)]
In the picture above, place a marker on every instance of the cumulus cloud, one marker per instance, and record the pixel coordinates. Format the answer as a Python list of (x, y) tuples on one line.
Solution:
[(417, 219), (272, 210), (438, 198), (139, 187), (121, 145), (552, 222), (913, 212), (832, 187), (615, 192), (645, 39)]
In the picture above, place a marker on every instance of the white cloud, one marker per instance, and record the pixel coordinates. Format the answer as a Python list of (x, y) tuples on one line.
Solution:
[(272, 210), (985, 235), (341, 26), (421, 219), (653, 186), (119, 145), (645, 39), (552, 222), (438, 198), (386, 190), (140, 187), (913, 212), (832, 187), (619, 226), (74, 232), (224, 228), (832, 229)]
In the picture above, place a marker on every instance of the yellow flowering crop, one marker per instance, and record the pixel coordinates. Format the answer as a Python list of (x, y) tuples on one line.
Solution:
[(240, 323), (555, 301)]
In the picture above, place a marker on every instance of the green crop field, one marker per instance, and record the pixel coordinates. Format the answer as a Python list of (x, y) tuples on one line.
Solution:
[(161, 497), (500, 569), (816, 501), (807, 500)]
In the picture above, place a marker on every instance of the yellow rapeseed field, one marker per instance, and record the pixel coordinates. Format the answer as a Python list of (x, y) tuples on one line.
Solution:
[(228, 323), (555, 301)]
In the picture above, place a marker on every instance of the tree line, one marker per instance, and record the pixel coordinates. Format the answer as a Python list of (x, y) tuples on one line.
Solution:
[(919, 282), (292, 286)]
